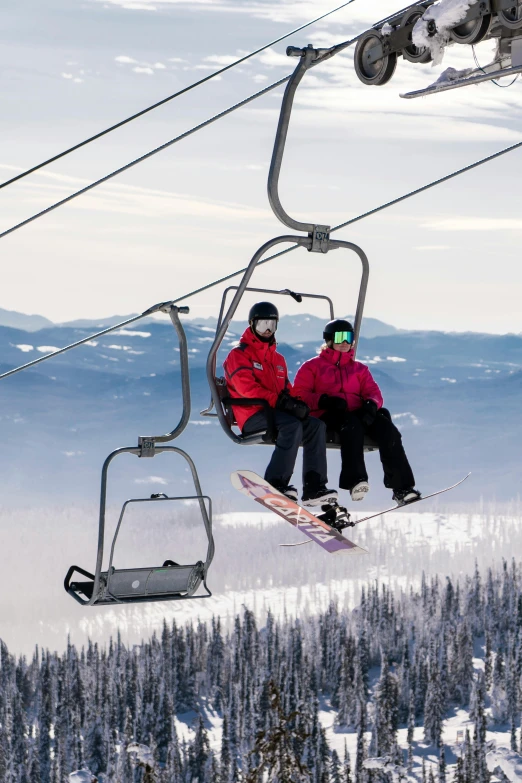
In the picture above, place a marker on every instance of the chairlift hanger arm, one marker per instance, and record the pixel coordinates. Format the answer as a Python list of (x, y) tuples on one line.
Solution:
[(147, 442), (308, 58)]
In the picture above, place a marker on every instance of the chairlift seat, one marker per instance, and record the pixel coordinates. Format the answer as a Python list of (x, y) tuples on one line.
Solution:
[(333, 440), (130, 585)]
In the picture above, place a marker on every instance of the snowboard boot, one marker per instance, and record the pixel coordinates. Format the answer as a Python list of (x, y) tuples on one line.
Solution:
[(313, 498), (289, 491), (404, 496), (359, 491)]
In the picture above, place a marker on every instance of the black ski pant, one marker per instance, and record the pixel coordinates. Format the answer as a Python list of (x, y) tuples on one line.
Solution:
[(292, 433), (397, 470)]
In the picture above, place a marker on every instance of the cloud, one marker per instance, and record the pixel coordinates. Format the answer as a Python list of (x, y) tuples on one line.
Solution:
[(134, 200), (432, 247), (458, 223), (221, 59), (152, 480), (139, 66), (283, 11)]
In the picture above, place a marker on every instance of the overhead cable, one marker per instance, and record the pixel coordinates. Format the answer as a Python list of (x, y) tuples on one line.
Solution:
[(224, 279), (162, 147), (170, 97), (144, 157)]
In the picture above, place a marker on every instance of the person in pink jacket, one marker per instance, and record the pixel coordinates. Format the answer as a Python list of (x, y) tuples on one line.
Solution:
[(342, 392)]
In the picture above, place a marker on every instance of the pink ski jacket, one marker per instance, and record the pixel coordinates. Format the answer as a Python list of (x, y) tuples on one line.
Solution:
[(255, 369), (338, 375)]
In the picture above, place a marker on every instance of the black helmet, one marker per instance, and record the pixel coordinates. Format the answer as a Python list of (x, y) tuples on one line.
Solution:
[(263, 310), (339, 325)]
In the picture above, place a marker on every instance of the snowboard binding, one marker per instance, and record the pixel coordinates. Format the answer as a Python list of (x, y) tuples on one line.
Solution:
[(336, 516)]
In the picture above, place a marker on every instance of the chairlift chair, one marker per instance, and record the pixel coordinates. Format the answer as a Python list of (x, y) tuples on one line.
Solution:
[(317, 240), (170, 581)]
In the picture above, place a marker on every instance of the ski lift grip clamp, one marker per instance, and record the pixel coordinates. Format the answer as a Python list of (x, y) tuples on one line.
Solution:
[(320, 236)]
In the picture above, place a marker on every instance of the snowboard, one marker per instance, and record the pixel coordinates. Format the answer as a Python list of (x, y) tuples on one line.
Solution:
[(252, 485), (412, 503)]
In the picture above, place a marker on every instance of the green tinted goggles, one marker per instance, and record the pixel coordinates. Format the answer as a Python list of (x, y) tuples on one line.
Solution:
[(343, 337)]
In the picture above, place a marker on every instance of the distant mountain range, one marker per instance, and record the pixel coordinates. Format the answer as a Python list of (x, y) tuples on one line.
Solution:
[(456, 398), (308, 326), (29, 323)]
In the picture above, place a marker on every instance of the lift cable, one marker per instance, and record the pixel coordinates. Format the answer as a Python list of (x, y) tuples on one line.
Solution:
[(334, 50), (170, 97), (144, 157), (190, 132), (224, 279)]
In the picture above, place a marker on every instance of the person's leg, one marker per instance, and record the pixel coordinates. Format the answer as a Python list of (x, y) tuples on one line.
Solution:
[(289, 436), (353, 468), (314, 455), (397, 471)]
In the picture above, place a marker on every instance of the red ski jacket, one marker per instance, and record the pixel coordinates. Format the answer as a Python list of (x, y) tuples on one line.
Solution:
[(338, 375), (255, 369)]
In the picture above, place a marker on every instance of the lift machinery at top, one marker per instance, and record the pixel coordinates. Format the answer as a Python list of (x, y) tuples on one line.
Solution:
[(170, 581), (411, 32), (316, 240)]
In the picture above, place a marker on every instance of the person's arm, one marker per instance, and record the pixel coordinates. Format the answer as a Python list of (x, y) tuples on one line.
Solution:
[(304, 386), (369, 388), (240, 378)]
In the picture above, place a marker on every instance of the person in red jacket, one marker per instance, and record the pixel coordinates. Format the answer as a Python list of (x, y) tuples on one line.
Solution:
[(255, 369), (344, 395)]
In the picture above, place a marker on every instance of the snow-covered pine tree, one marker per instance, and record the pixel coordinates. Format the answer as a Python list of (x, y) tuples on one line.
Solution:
[(384, 735), (347, 767), (274, 748), (434, 707), (335, 768), (442, 764), (46, 718), (200, 752)]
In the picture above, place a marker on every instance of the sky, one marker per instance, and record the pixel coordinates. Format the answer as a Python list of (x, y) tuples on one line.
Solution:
[(448, 259)]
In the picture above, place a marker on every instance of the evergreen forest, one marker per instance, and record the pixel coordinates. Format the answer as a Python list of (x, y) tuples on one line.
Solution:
[(396, 662)]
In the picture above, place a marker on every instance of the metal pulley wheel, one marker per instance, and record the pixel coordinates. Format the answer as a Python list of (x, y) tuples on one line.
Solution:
[(372, 65), (472, 32), (412, 53), (511, 17)]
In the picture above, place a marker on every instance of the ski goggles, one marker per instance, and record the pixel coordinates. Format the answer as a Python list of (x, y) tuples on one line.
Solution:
[(266, 324), (343, 337)]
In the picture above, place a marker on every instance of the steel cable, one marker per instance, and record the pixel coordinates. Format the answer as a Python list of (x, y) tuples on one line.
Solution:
[(224, 279), (144, 157), (169, 98)]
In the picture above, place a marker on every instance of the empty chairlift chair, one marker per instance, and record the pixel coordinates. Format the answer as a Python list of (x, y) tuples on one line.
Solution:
[(170, 580)]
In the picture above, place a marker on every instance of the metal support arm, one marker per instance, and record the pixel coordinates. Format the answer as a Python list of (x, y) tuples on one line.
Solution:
[(309, 57), (147, 443)]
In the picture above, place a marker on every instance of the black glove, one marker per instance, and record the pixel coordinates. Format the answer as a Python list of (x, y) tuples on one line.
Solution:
[(332, 404), (293, 406), (369, 412)]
